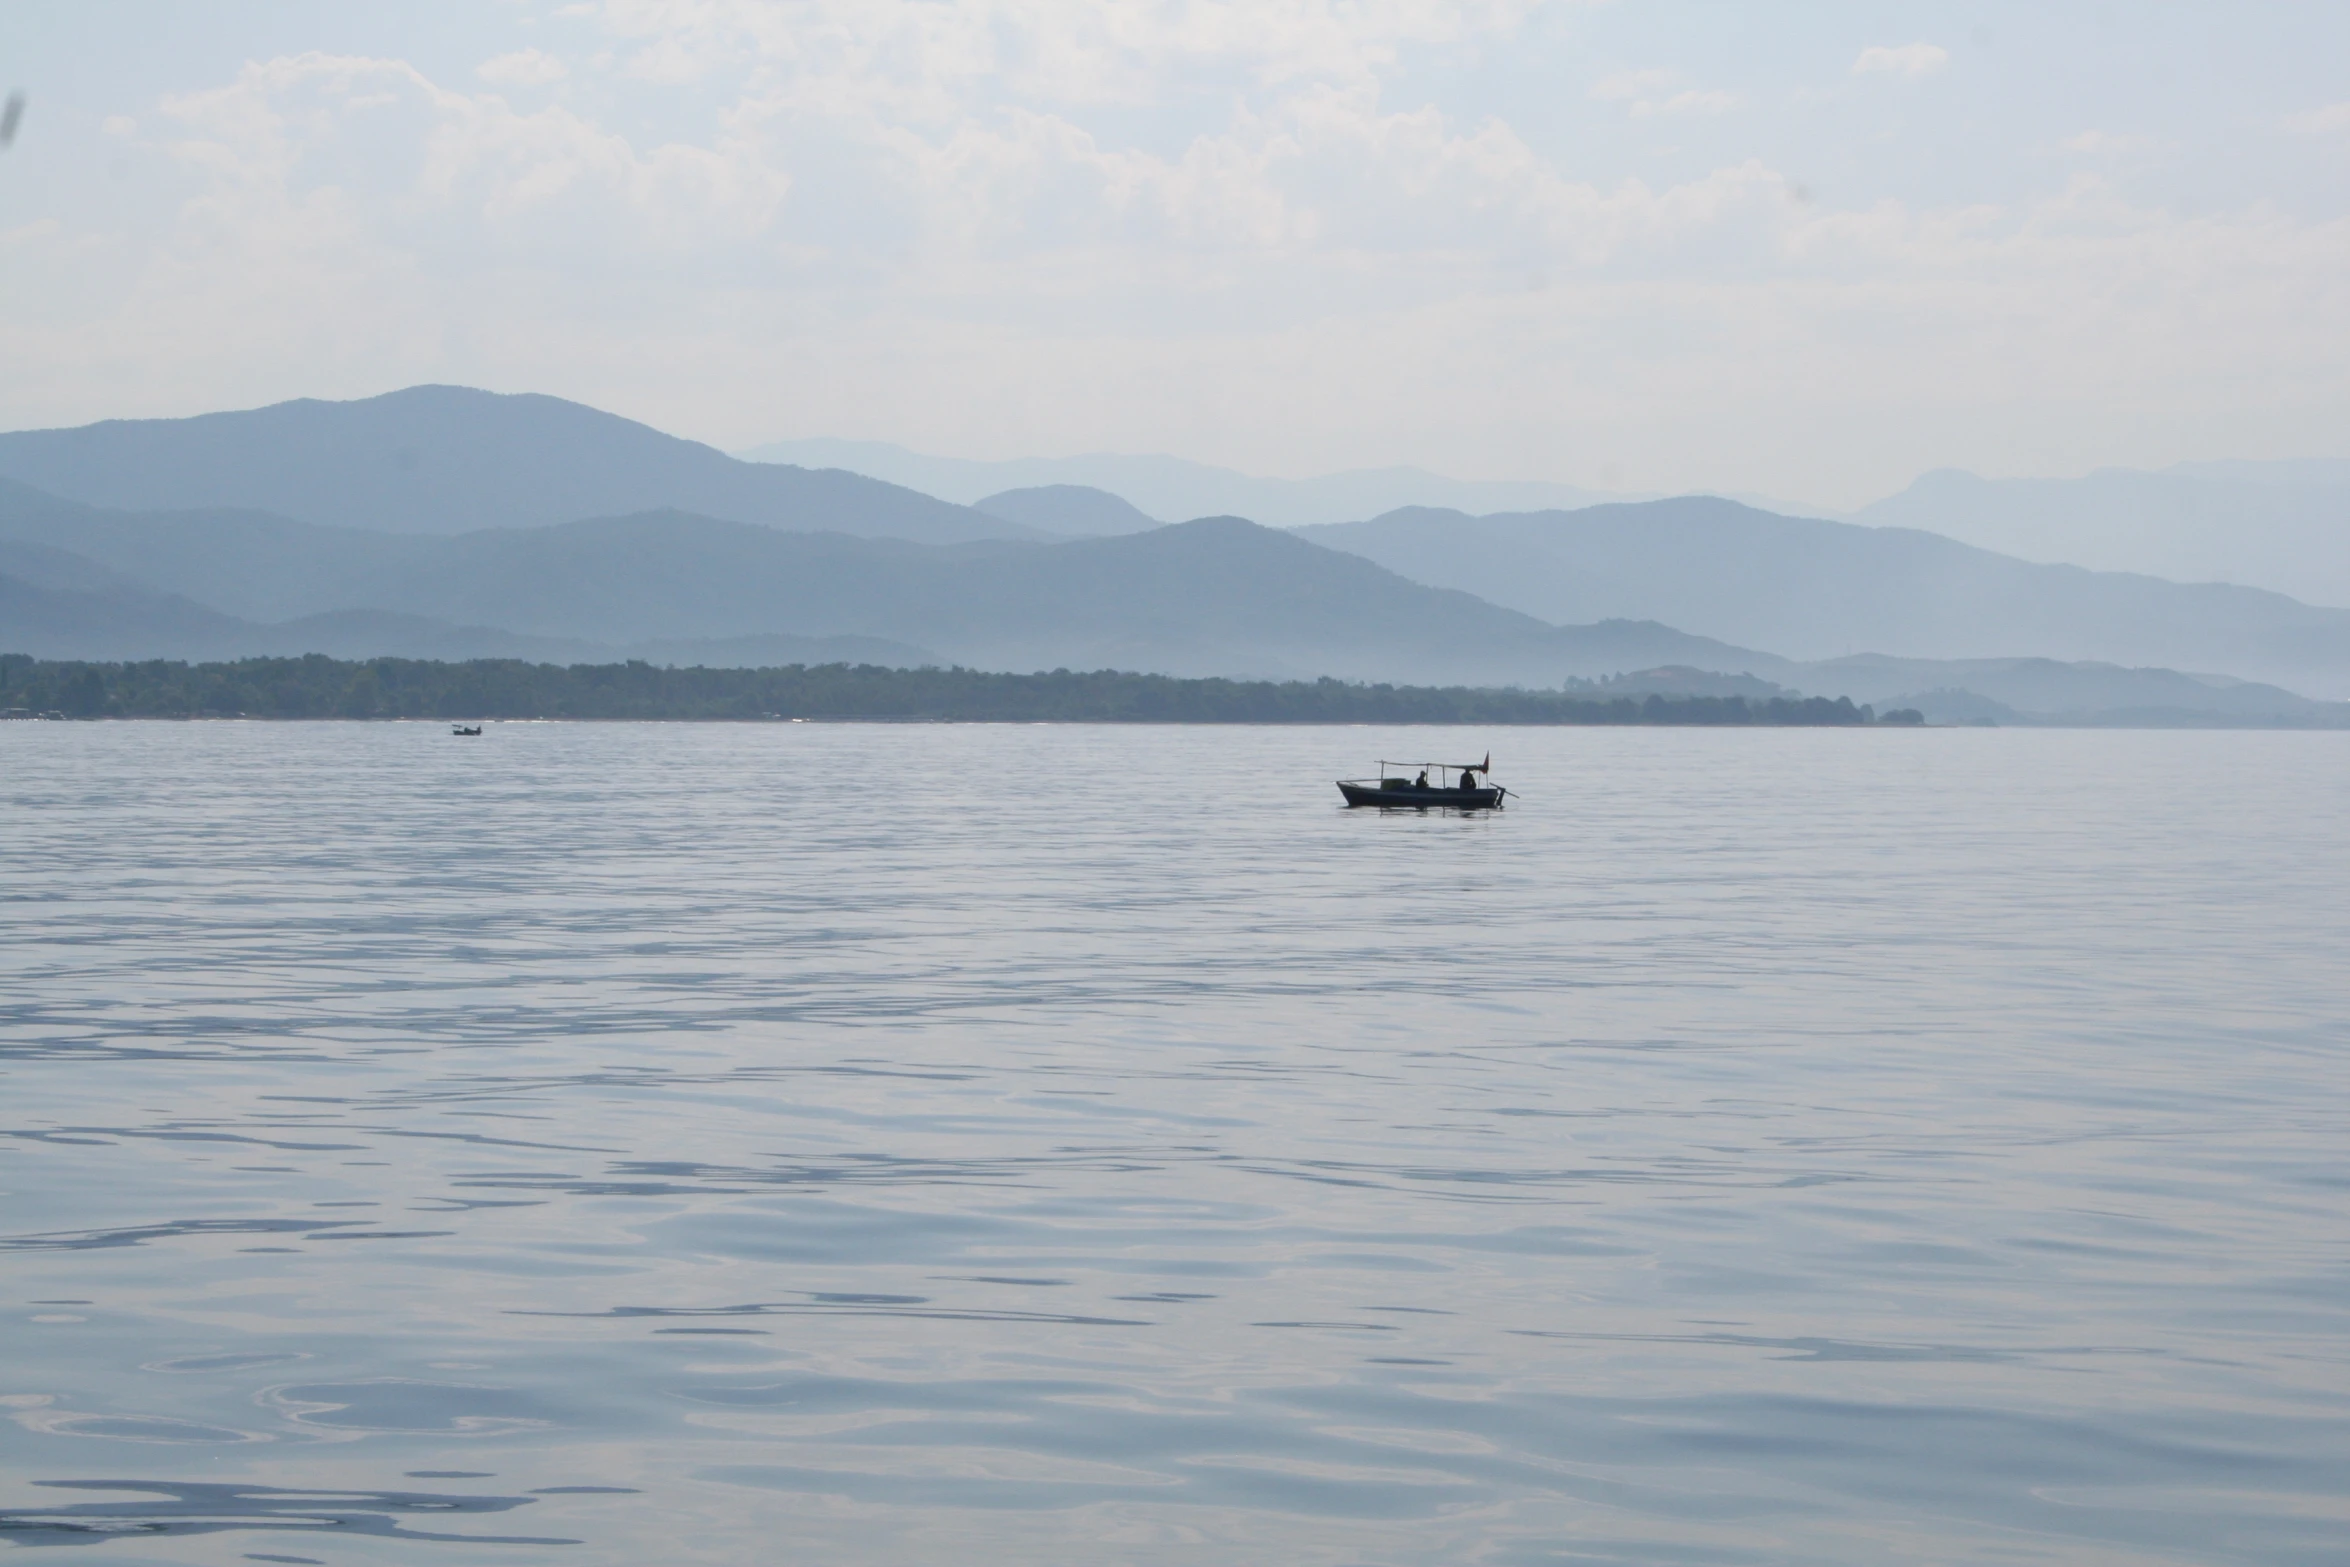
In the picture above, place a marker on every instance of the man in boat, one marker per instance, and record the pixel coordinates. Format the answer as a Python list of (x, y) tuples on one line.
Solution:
[(1421, 782), (1468, 778)]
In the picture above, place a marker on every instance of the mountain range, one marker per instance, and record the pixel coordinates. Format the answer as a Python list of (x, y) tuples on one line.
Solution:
[(2284, 526), (1812, 589), (1218, 596), (449, 459), (1170, 489), (57, 605), (815, 565), (1072, 510), (1213, 597)]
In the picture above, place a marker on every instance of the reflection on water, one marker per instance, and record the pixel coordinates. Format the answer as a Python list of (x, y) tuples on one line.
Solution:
[(1080, 1145), (180, 1508)]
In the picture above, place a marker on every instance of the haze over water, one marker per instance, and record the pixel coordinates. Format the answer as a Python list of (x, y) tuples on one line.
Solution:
[(875, 1145)]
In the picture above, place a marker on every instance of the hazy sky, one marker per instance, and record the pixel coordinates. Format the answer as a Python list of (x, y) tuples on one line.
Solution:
[(1810, 250)]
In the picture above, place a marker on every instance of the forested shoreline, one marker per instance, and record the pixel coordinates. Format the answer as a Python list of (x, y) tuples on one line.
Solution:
[(316, 686)]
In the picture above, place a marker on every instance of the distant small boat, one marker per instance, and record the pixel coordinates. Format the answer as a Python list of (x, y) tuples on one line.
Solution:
[(1394, 791), (465, 729)]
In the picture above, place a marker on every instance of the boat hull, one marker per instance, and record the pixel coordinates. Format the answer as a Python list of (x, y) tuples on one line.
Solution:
[(1421, 799)]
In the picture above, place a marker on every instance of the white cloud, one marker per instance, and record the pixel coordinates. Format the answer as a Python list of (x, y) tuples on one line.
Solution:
[(522, 68), (2321, 122), (1130, 51), (1631, 86), (377, 153), (1005, 225), (1691, 102), (1646, 93), (1907, 60)]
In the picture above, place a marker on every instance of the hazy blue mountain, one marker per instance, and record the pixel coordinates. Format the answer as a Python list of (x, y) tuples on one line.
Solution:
[(2045, 688), (1174, 487), (49, 567), (55, 605), (1076, 510), (774, 649), (449, 459), (1811, 589), (2287, 472), (1219, 596), (2281, 526), (41, 615), (376, 633), (50, 619), (2005, 690), (245, 563)]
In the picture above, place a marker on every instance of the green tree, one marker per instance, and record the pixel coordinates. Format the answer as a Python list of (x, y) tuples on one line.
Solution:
[(84, 693)]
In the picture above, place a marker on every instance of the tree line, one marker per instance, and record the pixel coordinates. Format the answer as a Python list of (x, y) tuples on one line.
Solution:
[(316, 686)]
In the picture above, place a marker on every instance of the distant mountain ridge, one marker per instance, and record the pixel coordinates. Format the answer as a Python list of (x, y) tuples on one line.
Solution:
[(450, 459), (1219, 596), (631, 540), (1075, 510), (1216, 596), (2283, 526), (1170, 489), (115, 623), (2276, 472), (2047, 689), (2279, 525), (1811, 589)]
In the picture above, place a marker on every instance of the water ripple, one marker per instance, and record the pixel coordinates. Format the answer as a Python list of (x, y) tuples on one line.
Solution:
[(1077, 1145)]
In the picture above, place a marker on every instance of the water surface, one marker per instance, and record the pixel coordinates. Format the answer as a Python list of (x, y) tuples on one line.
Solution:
[(902, 1145)]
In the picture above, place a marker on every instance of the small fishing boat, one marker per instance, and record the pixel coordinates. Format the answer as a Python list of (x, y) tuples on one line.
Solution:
[(1459, 786), (465, 729)]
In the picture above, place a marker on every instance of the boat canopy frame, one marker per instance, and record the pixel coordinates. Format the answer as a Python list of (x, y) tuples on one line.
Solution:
[(1442, 767), (1484, 768)]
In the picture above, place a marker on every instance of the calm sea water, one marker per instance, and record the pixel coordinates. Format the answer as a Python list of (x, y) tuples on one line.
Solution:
[(646, 1144)]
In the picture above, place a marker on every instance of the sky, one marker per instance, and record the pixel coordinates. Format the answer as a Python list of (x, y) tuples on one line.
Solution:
[(1806, 250)]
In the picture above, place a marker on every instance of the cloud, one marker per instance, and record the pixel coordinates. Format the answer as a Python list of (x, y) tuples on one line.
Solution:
[(1907, 60), (1648, 93), (522, 68), (1122, 51), (1691, 102), (948, 225), (313, 143), (1630, 86), (2327, 121)]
